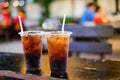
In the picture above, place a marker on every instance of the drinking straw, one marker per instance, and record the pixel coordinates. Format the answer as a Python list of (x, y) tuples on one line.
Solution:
[(21, 27), (63, 24)]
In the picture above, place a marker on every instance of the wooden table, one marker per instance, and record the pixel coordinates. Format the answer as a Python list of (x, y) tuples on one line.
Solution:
[(77, 69)]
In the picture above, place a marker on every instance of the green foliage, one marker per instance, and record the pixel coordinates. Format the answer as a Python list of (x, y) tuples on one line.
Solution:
[(95, 1), (69, 20), (45, 4), (41, 21), (36, 1)]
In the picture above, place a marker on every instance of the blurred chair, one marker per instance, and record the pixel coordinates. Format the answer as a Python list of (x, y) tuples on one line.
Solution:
[(90, 39)]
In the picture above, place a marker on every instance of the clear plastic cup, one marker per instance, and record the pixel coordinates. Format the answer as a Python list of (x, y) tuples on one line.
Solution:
[(58, 47), (32, 47)]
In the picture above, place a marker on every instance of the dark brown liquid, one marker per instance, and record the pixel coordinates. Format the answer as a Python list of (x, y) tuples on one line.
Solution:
[(32, 62), (58, 65), (32, 46), (60, 75), (58, 51)]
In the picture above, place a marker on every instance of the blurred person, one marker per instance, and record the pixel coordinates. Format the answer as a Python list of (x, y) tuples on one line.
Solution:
[(88, 14), (15, 28), (5, 22), (5, 19), (16, 21), (100, 17), (0, 19)]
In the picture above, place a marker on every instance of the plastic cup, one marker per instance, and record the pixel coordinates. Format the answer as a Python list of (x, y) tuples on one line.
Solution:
[(58, 47), (32, 47)]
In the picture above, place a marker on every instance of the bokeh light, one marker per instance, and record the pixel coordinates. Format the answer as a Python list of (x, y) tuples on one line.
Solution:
[(1, 5), (15, 3), (21, 3), (6, 4)]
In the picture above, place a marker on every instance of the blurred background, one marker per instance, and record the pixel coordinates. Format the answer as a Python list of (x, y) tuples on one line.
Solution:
[(35, 12)]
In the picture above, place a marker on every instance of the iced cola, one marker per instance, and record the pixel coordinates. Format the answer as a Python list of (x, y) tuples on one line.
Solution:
[(32, 46), (58, 45)]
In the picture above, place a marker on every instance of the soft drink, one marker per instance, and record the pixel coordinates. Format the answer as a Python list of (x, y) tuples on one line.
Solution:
[(58, 45), (32, 46)]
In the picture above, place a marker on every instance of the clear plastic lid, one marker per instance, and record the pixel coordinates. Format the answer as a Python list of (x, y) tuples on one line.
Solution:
[(26, 33)]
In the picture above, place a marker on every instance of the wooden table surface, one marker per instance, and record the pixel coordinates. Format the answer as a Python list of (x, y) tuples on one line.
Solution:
[(77, 69)]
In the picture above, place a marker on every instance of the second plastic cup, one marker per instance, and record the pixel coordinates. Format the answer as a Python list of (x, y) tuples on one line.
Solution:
[(58, 46), (32, 46)]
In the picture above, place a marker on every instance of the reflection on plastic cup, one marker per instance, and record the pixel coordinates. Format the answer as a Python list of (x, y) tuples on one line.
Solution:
[(58, 45), (32, 46)]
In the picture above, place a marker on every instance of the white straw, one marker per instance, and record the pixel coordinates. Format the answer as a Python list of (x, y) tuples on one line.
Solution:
[(63, 24), (20, 24)]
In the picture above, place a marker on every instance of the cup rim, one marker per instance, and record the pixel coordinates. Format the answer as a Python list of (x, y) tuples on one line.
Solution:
[(58, 33), (25, 33)]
